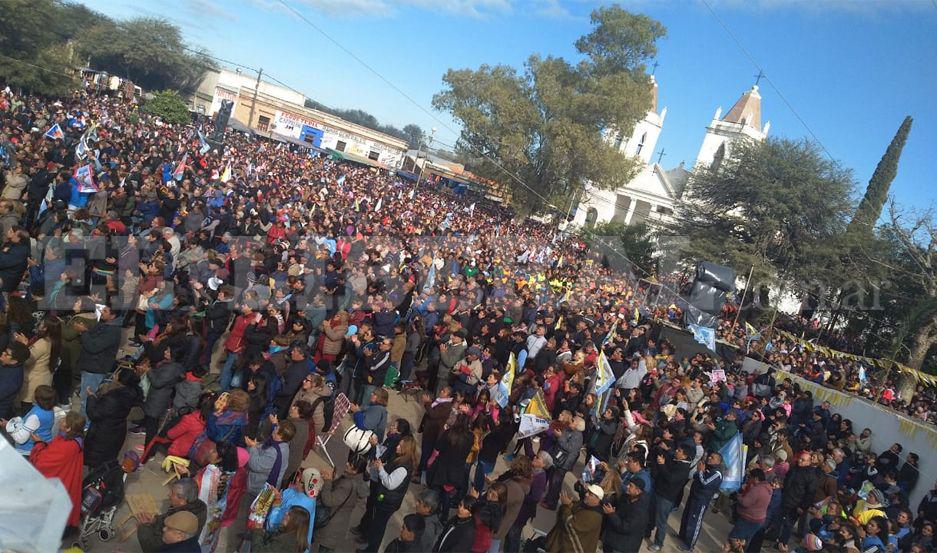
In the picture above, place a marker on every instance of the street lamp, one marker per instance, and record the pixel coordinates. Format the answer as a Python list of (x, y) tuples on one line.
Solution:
[(420, 149)]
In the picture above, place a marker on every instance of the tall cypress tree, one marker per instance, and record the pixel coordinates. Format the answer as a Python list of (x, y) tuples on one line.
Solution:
[(870, 208)]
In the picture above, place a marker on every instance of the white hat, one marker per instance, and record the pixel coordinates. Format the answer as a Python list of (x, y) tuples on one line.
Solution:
[(596, 491), (214, 283), (312, 481)]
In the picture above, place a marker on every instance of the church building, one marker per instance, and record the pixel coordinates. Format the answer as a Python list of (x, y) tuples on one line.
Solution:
[(653, 195)]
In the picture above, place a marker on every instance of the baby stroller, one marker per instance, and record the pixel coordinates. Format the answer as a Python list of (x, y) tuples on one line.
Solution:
[(101, 495)]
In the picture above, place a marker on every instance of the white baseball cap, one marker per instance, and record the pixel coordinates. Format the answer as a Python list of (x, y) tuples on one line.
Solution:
[(596, 491)]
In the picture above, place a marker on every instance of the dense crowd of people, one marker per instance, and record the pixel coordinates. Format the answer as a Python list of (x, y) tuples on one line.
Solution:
[(261, 285)]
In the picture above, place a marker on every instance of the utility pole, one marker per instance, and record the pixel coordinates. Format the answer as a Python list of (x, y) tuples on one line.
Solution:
[(430, 145), (250, 118)]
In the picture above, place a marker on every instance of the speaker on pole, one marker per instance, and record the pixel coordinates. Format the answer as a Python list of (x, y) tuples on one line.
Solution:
[(708, 294), (221, 120)]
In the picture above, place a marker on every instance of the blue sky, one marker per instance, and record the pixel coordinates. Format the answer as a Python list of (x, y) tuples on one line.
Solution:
[(851, 69)]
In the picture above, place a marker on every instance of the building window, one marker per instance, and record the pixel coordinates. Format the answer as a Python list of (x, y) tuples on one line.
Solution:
[(373, 155), (618, 140), (666, 211), (200, 109), (720, 155), (622, 205), (592, 216), (641, 212), (340, 146), (263, 122), (641, 144)]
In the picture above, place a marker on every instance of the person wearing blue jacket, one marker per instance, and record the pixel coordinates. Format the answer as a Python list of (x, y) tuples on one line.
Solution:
[(11, 376), (705, 486), (374, 416)]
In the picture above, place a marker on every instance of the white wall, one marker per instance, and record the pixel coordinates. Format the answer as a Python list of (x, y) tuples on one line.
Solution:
[(887, 426)]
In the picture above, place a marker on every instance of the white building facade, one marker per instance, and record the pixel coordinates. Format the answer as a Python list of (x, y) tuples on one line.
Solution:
[(653, 195)]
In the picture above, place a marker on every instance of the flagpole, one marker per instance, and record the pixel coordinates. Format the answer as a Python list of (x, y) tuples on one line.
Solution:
[(748, 284)]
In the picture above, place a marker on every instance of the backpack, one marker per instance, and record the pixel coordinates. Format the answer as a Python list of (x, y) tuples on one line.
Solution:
[(392, 376), (328, 412)]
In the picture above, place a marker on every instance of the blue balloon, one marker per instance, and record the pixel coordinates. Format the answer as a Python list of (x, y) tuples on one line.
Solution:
[(352, 330)]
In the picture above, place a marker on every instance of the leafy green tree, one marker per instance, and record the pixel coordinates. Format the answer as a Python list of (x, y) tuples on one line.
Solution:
[(414, 135), (870, 208), (549, 124), (148, 51), (779, 206), (32, 55), (168, 106), (635, 242)]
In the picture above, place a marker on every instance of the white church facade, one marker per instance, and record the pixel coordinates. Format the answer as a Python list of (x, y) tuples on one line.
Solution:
[(653, 195)]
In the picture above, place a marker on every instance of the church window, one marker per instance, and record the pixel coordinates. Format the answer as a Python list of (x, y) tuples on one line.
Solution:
[(641, 144), (720, 155), (622, 205), (591, 216)]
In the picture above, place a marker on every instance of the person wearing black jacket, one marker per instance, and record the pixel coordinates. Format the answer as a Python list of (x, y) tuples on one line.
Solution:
[(669, 481), (705, 486), (459, 533), (14, 256), (107, 415), (800, 484), (98, 353), (299, 367), (624, 523), (217, 318)]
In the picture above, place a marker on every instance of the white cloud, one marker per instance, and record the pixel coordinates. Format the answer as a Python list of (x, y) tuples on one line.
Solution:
[(208, 8), (554, 9), (381, 8), (826, 6)]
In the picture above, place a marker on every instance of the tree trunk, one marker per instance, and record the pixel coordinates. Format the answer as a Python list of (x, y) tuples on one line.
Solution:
[(921, 343), (905, 386)]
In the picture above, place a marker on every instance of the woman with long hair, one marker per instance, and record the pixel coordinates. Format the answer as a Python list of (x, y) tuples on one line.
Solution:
[(488, 513), (107, 411), (289, 537), (225, 423), (63, 458), (330, 342), (447, 469), (44, 353), (389, 484)]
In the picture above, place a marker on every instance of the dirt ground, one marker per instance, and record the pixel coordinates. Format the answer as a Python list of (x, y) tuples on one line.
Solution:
[(150, 478)]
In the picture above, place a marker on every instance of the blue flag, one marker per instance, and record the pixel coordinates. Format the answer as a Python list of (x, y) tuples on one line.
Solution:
[(55, 131), (704, 335), (733, 457), (204, 146), (430, 278)]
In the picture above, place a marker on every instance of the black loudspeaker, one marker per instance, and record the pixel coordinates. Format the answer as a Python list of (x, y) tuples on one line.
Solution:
[(708, 294), (706, 297), (216, 145), (719, 276), (221, 119)]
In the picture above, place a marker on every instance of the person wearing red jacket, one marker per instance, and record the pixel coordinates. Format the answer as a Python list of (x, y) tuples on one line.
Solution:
[(234, 345), (753, 502), (63, 458)]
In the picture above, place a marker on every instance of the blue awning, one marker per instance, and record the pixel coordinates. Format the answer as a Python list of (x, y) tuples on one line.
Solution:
[(407, 174)]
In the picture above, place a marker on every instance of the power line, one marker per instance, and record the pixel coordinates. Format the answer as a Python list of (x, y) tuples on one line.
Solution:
[(56, 71), (767, 78), (443, 123)]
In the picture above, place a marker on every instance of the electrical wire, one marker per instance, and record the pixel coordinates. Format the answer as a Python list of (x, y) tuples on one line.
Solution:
[(445, 125), (765, 76)]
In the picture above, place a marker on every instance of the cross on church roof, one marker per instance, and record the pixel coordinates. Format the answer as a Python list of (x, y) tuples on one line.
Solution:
[(660, 155), (759, 76)]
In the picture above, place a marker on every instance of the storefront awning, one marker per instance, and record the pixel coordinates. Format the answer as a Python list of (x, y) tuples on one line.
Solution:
[(357, 159)]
